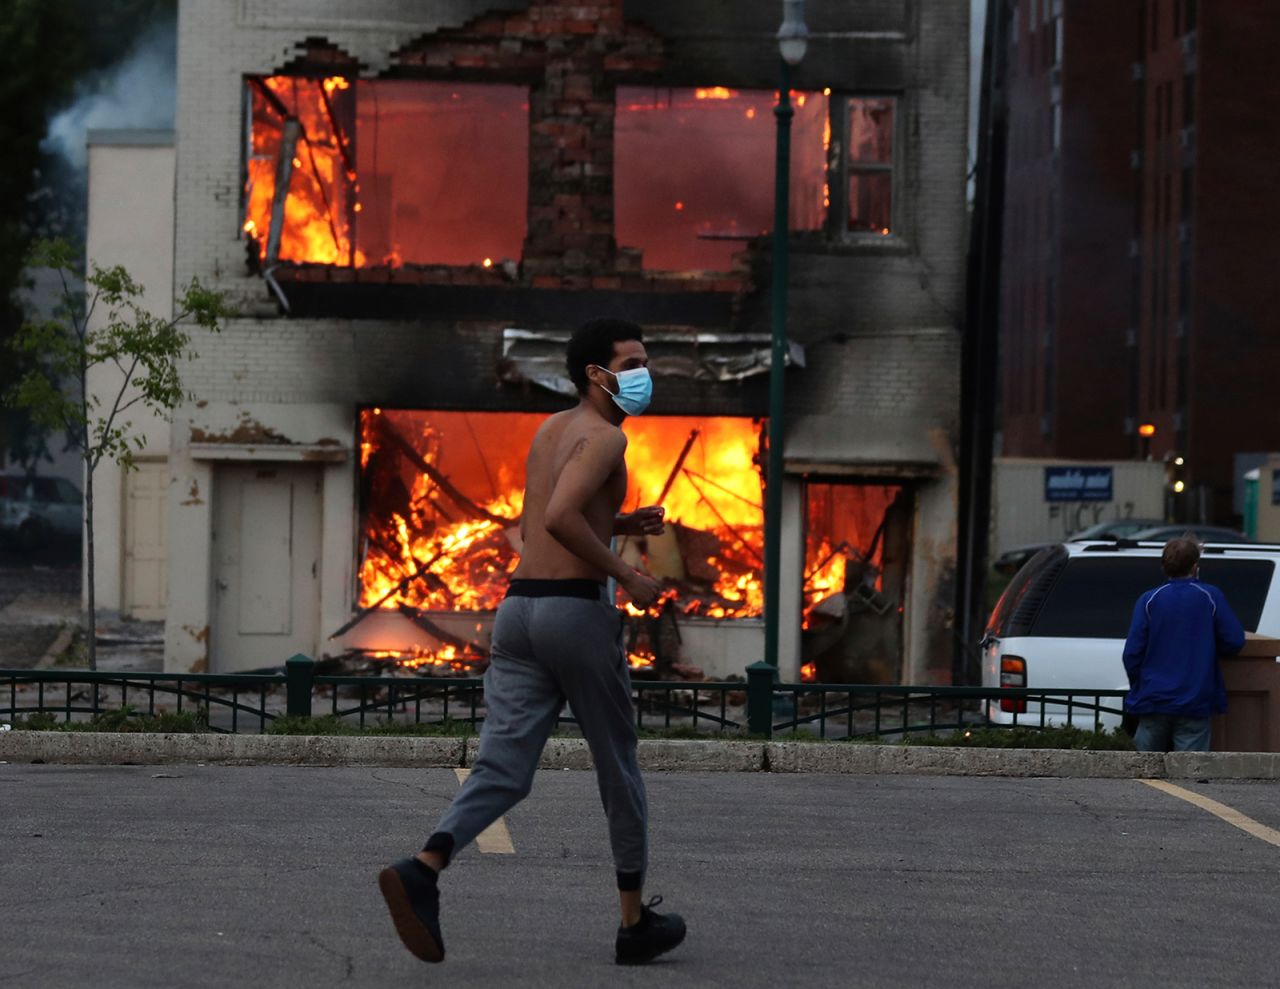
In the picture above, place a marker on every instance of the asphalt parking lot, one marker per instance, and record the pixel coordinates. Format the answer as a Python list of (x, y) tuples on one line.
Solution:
[(215, 876)]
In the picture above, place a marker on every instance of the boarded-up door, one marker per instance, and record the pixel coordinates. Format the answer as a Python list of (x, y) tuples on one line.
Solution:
[(266, 553), (146, 549)]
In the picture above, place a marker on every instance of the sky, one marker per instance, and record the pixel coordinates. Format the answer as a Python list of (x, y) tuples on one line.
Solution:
[(977, 24)]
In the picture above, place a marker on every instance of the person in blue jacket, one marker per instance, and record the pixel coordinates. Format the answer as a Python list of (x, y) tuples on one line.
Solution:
[(1179, 630)]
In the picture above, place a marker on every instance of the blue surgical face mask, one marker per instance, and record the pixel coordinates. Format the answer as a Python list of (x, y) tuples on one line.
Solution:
[(635, 389)]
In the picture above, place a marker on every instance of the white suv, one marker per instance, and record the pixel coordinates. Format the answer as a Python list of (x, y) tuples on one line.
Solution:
[(1062, 621)]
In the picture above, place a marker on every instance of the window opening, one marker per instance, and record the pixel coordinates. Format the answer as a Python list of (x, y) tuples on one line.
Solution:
[(441, 494), (857, 552), (870, 165), (693, 171), (380, 172)]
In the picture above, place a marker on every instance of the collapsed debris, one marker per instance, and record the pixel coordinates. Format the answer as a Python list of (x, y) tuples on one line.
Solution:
[(441, 496)]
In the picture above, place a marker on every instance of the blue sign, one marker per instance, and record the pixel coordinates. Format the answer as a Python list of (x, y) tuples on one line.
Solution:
[(1275, 487), (1078, 483)]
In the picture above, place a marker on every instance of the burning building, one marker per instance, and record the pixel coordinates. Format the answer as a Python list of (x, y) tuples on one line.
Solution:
[(412, 206)]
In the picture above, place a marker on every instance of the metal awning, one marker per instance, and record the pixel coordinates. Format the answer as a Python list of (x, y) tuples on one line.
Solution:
[(537, 356), (867, 446)]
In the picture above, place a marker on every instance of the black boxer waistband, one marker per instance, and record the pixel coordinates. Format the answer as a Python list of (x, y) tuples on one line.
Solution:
[(589, 590)]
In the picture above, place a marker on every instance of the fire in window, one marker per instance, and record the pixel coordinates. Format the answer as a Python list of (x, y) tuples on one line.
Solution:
[(441, 495), (857, 550), (382, 172), (693, 171), (869, 165)]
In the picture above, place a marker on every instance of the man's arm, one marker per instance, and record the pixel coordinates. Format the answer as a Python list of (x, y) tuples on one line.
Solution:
[(1226, 627), (1135, 644), (594, 457), (647, 521)]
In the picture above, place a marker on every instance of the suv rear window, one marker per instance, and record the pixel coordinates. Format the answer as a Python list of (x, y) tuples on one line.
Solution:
[(1094, 598), (1021, 600)]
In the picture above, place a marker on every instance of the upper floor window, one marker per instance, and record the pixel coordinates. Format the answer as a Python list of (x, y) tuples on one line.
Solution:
[(868, 165), (386, 172), (693, 170)]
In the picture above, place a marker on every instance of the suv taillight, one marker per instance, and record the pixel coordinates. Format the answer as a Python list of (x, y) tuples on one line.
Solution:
[(1013, 673)]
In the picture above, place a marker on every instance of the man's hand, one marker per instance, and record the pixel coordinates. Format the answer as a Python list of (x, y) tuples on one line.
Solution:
[(647, 521), (641, 588)]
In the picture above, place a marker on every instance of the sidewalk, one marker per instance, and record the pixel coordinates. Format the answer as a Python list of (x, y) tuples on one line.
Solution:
[(38, 607), (40, 613)]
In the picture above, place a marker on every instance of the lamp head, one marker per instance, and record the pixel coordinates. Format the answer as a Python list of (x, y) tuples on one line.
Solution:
[(793, 36)]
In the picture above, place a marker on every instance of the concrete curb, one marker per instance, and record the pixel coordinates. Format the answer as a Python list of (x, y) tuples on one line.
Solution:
[(656, 755), (114, 749)]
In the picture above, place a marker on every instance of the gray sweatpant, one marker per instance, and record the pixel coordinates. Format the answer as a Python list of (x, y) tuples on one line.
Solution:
[(546, 650)]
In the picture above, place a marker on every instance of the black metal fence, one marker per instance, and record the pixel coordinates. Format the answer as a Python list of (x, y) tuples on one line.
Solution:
[(760, 706)]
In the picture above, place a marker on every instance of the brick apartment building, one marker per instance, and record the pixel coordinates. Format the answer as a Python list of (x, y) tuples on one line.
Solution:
[(465, 182), (1139, 211)]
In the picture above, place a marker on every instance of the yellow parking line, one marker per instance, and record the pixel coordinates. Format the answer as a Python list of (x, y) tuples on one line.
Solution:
[(1228, 814), (495, 839)]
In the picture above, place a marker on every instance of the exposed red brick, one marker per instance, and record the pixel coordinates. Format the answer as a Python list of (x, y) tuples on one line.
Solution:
[(574, 47)]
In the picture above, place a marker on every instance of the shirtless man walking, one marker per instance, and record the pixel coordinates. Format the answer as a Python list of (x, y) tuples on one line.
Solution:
[(558, 637)]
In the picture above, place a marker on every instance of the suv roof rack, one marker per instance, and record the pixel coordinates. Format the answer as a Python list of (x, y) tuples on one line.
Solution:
[(1119, 544)]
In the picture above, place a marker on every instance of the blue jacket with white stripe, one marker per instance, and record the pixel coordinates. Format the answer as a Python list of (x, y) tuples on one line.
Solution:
[(1179, 630)]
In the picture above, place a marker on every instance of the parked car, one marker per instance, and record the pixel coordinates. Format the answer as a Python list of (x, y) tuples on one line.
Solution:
[(1011, 561), (1062, 621), (1205, 533), (38, 511)]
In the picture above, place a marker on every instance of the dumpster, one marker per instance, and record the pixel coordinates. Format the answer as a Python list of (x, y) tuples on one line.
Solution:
[(1252, 720)]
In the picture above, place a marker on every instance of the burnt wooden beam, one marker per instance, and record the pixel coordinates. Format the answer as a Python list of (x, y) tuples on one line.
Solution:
[(289, 136), (435, 631), (438, 476)]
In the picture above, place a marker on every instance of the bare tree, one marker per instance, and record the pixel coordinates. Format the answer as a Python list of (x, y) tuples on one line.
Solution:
[(146, 350)]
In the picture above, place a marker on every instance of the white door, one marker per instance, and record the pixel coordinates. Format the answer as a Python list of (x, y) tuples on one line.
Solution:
[(146, 540), (266, 563)]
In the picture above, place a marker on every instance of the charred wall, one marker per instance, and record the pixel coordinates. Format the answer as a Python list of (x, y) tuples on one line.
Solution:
[(397, 328)]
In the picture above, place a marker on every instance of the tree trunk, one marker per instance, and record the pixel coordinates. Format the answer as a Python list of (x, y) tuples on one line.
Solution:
[(88, 527)]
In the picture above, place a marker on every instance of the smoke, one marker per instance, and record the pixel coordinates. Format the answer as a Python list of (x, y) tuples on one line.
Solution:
[(138, 92)]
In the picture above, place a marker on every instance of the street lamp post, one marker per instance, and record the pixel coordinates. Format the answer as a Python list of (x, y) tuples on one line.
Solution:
[(792, 42)]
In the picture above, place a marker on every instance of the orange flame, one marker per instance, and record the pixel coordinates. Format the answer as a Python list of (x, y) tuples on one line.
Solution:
[(447, 658), (710, 556), (316, 225)]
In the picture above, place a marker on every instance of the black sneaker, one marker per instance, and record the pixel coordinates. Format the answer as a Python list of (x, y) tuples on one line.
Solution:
[(409, 887), (654, 934)]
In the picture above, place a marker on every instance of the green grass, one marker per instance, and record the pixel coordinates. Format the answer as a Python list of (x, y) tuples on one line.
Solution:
[(122, 720), (1061, 737)]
